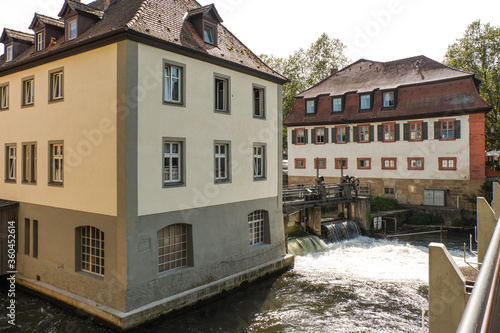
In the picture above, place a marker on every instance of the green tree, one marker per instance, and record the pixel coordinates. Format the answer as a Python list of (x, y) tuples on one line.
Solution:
[(478, 51), (305, 68)]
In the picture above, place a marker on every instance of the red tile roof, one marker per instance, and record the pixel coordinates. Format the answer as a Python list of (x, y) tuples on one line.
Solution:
[(424, 88), (161, 21)]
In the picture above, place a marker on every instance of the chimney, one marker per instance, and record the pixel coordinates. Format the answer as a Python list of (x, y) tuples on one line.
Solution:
[(334, 71)]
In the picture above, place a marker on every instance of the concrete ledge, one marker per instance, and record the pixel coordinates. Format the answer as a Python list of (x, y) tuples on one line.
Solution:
[(127, 320)]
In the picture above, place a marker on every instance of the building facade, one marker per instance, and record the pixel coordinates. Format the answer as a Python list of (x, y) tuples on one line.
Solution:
[(414, 128), (142, 142)]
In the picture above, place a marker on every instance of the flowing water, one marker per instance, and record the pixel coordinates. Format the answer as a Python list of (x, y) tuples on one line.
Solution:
[(357, 285)]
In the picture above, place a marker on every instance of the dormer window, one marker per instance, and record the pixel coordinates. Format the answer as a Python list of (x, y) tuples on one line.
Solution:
[(388, 99), (9, 52), (72, 29), (310, 107), (209, 33), (365, 102), (39, 41)]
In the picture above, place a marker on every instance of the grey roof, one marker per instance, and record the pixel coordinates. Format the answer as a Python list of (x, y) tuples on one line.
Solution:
[(367, 75), (47, 20), (14, 34)]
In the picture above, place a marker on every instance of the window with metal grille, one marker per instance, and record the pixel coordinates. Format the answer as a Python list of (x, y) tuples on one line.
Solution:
[(256, 227), (92, 250), (172, 247)]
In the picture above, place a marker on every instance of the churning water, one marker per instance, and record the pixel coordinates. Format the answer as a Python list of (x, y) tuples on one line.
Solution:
[(357, 285)]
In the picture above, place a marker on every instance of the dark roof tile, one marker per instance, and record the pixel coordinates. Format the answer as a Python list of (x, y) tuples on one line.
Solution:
[(47, 20)]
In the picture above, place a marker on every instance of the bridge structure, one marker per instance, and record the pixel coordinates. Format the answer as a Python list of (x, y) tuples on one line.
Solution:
[(306, 200)]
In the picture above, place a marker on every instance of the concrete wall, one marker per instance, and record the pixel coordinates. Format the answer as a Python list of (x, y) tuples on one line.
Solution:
[(447, 296)]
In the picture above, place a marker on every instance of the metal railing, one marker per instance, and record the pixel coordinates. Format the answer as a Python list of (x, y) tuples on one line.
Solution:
[(482, 311)]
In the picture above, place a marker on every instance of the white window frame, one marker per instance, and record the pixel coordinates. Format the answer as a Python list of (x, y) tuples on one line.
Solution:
[(259, 161), (173, 247), (364, 163), (171, 81), (310, 106), (56, 163), (389, 131), (92, 250), (365, 102), (174, 176), (28, 91), (256, 227), (11, 162), (39, 41), (341, 133), (209, 33), (222, 94), (301, 136), (415, 163), (364, 135), (416, 131), (337, 104), (259, 102), (56, 85), (72, 33), (447, 129), (319, 135), (4, 96), (9, 53), (29, 163), (222, 164), (388, 99)]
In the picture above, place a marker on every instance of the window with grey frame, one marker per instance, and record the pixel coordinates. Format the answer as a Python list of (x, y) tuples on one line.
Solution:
[(29, 163), (9, 53), (209, 31), (56, 163), (28, 92), (173, 85), (173, 160), (221, 94), (56, 85), (259, 102), (259, 161), (4, 96), (221, 162), (11, 162)]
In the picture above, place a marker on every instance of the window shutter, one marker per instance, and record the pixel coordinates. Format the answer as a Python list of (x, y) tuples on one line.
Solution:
[(326, 135), (313, 136), (406, 132), (396, 132), (347, 134), (372, 133), (294, 133), (380, 132), (355, 135), (457, 129), (334, 135), (306, 136), (437, 130), (425, 131)]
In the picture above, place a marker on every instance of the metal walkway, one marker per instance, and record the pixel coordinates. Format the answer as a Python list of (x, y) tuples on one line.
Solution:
[(301, 196)]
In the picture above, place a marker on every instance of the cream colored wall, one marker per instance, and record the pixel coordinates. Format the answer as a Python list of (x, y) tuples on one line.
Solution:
[(85, 120), (200, 126), (430, 149)]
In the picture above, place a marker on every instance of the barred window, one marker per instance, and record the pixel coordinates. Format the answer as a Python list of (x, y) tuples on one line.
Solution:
[(172, 247), (92, 247), (256, 226)]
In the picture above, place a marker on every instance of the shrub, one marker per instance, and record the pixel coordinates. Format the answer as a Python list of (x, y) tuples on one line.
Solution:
[(382, 204), (425, 219)]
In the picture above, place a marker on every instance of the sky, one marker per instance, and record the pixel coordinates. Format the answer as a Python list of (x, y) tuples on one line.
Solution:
[(379, 30)]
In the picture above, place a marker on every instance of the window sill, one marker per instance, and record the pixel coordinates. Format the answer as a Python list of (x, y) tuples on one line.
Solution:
[(23, 106), (179, 104), (259, 179), (91, 275), (174, 270), (223, 181), (52, 101), (26, 182), (55, 184), (228, 112), (10, 181), (4, 109), (170, 185), (412, 169), (259, 117), (365, 110), (388, 108), (310, 114)]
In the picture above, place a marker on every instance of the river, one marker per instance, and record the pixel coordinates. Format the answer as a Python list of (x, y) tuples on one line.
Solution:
[(358, 285)]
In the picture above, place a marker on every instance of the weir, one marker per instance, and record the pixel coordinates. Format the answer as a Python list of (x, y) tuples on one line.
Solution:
[(337, 231)]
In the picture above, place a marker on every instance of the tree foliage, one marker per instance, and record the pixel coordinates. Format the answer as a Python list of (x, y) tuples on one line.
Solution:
[(306, 67), (478, 51)]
